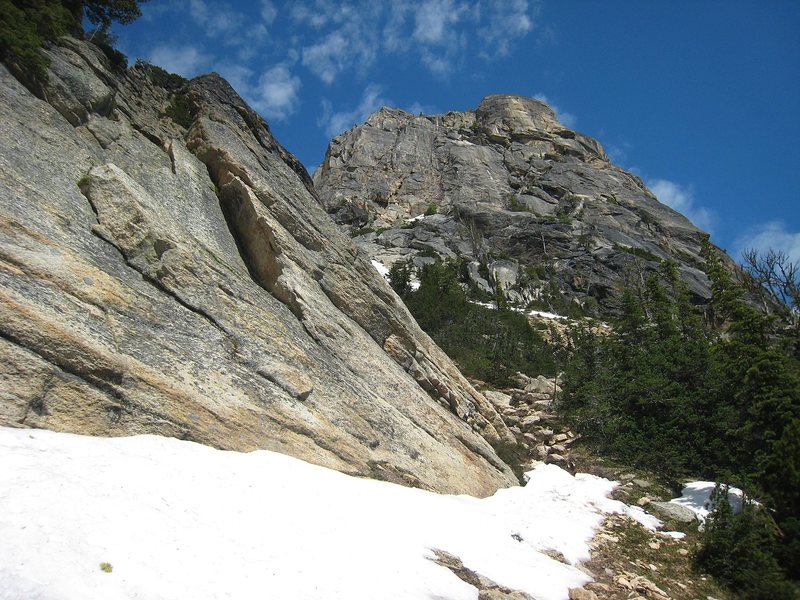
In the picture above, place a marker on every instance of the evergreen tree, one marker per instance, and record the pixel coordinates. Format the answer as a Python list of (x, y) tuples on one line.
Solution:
[(739, 550)]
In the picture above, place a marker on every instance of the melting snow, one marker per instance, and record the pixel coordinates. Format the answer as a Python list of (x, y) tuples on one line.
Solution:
[(384, 271), (537, 313), (545, 315), (177, 519), (696, 495), (380, 268)]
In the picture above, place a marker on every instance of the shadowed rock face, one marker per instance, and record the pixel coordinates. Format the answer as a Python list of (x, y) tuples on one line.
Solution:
[(188, 283), (515, 190)]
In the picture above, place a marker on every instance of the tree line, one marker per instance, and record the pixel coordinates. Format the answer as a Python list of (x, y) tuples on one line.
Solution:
[(712, 394)]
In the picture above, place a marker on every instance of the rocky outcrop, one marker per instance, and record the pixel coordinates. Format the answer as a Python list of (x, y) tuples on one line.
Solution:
[(525, 201), (186, 282), (530, 412)]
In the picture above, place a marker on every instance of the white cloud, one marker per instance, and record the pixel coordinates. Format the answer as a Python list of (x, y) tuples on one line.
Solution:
[(506, 21), (312, 14), (565, 118), (276, 96), (219, 20), (618, 152), (682, 200), (440, 33), (773, 235), (183, 60), (268, 12), (335, 123), (439, 65), (433, 21), (329, 57)]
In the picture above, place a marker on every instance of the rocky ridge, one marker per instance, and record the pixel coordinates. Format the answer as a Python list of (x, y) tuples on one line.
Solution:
[(520, 198), (185, 281)]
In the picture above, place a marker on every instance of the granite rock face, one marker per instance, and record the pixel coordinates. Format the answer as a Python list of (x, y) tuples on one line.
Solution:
[(187, 282), (506, 187)]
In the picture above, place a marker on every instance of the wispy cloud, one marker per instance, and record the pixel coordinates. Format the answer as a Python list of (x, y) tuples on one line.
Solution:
[(330, 39), (682, 199), (337, 52), (441, 33), (434, 21), (567, 119), (221, 21), (268, 12), (504, 21), (773, 235), (618, 151), (335, 122), (276, 96), (183, 60)]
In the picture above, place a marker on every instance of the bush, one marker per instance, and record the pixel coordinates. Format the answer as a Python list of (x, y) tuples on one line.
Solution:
[(25, 27), (161, 77), (739, 549), (180, 110), (514, 205), (400, 278), (102, 38), (486, 344), (432, 209)]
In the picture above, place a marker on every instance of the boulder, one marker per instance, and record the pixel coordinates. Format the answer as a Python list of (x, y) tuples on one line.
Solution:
[(672, 511)]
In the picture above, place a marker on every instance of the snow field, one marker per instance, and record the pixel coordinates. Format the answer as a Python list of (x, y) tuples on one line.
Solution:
[(180, 520)]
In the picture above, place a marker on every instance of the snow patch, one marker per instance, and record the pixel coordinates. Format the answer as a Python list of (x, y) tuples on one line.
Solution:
[(696, 495), (176, 519), (535, 313), (546, 315), (380, 268), (647, 520)]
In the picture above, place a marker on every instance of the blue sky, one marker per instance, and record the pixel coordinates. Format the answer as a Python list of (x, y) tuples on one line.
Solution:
[(700, 98)]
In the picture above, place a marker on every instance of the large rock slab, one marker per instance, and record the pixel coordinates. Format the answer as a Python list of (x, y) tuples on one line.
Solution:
[(188, 283)]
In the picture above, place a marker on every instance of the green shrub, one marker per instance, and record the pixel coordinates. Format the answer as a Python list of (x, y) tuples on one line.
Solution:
[(161, 77), (642, 253), (487, 344), (180, 110), (738, 549), (361, 231), (515, 205), (564, 217), (25, 27), (400, 277), (432, 209)]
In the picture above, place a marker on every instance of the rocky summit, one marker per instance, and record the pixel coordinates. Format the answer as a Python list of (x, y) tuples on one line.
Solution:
[(516, 196), (166, 268)]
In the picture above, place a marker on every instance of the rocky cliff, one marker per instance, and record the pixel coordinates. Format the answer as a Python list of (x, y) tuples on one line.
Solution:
[(183, 280), (522, 199)]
